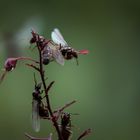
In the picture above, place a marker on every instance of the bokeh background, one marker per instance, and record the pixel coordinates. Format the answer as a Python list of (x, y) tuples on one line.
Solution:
[(105, 84)]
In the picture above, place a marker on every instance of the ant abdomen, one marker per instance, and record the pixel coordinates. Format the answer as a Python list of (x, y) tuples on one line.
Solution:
[(46, 61)]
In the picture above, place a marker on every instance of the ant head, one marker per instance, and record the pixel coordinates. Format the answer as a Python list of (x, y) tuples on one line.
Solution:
[(65, 119), (38, 86), (33, 40), (65, 114)]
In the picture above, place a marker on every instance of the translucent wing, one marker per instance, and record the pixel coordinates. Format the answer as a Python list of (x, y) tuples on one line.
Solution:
[(35, 116), (58, 38), (58, 57), (56, 54)]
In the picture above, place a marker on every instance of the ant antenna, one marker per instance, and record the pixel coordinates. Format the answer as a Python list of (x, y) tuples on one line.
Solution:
[(71, 113)]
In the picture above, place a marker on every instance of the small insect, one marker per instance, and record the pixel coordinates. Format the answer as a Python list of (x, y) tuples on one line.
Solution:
[(51, 52), (39, 110), (67, 52), (65, 119), (65, 127)]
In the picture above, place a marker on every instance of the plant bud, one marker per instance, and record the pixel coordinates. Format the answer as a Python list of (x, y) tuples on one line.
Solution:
[(10, 64)]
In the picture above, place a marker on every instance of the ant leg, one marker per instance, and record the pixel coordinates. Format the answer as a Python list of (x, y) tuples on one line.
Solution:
[(77, 62)]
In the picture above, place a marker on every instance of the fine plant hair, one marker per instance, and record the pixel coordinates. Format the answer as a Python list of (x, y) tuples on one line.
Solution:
[(41, 103)]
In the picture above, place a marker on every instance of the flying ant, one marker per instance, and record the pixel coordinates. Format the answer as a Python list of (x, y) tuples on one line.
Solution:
[(39, 110)]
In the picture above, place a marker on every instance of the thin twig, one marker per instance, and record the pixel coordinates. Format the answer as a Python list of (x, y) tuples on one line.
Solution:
[(66, 105), (27, 58), (85, 133), (32, 66), (49, 86), (47, 97), (59, 111)]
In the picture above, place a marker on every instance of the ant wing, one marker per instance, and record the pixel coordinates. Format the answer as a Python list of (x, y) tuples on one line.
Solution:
[(35, 116), (58, 38), (58, 56)]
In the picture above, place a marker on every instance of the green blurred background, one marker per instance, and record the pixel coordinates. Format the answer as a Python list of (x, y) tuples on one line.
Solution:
[(105, 84)]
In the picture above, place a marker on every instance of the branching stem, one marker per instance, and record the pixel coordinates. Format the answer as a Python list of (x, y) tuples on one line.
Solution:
[(55, 123)]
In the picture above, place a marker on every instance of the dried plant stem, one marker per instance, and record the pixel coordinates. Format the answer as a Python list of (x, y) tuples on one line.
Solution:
[(55, 123), (66, 105), (85, 133)]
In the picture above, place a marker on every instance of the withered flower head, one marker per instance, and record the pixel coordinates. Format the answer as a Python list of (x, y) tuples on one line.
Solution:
[(10, 64)]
